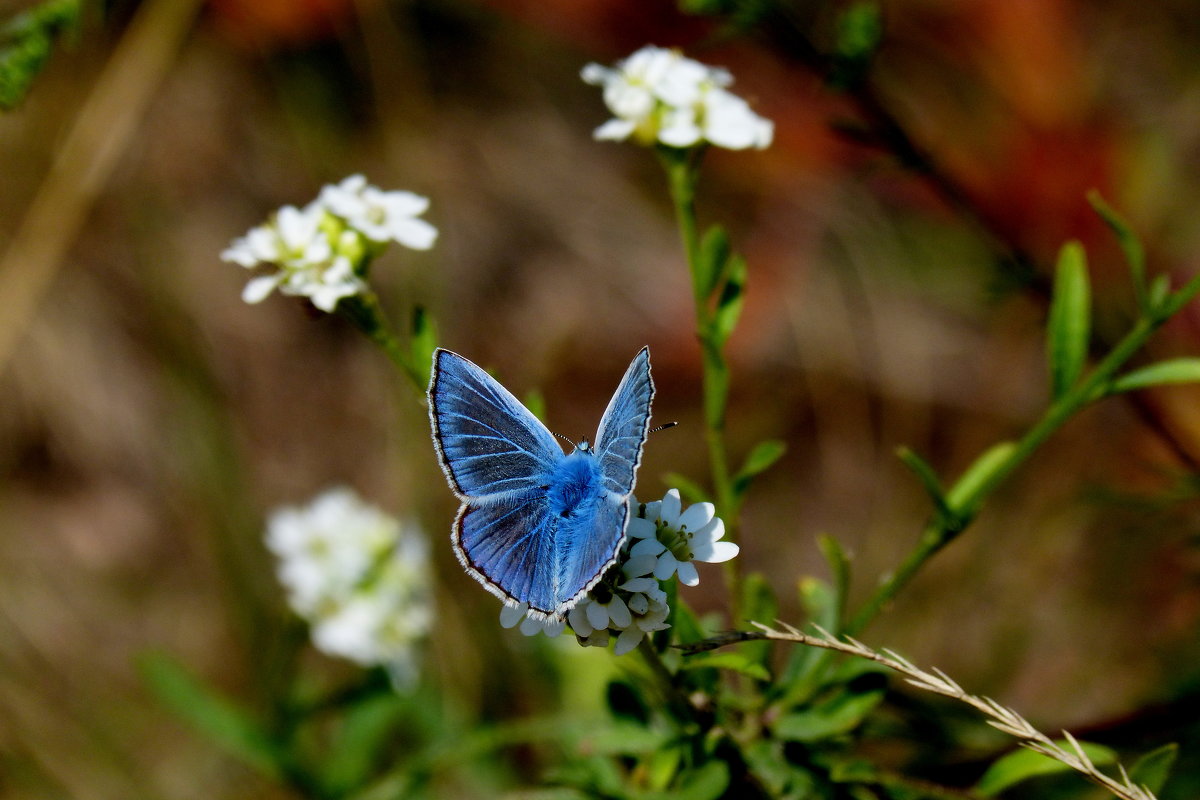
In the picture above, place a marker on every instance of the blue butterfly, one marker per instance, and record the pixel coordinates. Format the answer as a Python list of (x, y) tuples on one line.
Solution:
[(536, 525)]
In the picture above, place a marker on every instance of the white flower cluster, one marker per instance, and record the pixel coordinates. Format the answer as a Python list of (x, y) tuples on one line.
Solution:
[(319, 251), (657, 94), (359, 577), (663, 540)]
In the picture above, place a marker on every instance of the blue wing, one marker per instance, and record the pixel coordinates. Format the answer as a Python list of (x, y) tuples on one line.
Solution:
[(487, 442), (507, 544), (624, 425), (588, 545)]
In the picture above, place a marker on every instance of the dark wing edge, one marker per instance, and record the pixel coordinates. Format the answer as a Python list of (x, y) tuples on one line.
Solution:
[(493, 385), (639, 367)]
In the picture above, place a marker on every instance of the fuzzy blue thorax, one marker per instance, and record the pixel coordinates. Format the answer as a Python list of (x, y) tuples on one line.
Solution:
[(575, 482)]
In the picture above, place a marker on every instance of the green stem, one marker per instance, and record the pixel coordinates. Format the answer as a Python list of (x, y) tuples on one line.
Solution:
[(367, 315), (682, 173), (966, 498), (681, 708)]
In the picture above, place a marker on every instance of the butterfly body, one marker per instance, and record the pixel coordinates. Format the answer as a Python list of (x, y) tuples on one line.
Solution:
[(536, 525)]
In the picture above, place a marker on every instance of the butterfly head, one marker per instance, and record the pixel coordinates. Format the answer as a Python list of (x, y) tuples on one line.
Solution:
[(584, 446)]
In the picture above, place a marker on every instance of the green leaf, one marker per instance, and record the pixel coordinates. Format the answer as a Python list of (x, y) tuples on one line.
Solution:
[(760, 604), (626, 739), (1176, 370), (839, 566), (688, 489), (1135, 254), (929, 480), (662, 766), (859, 33), (228, 725), (25, 44), (707, 783), (736, 662), (365, 730), (1153, 769), (711, 260), (968, 490), (731, 299), (1069, 326), (835, 716), (1020, 765), (758, 461), (1160, 288), (423, 342)]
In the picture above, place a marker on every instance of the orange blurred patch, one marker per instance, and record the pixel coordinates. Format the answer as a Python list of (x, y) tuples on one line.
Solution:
[(265, 24)]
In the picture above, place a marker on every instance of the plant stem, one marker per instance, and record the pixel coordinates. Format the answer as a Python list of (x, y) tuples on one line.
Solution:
[(967, 500), (367, 315), (682, 173), (680, 706)]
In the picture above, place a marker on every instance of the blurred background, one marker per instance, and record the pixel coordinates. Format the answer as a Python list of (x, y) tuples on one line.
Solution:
[(150, 420)]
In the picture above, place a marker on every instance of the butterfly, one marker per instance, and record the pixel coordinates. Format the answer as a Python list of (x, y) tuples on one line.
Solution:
[(536, 525)]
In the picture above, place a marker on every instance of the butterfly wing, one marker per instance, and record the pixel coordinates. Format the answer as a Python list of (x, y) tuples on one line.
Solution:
[(589, 543), (498, 458), (487, 442), (624, 426), (507, 544)]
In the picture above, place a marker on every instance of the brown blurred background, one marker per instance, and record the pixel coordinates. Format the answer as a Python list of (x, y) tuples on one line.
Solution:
[(149, 419)]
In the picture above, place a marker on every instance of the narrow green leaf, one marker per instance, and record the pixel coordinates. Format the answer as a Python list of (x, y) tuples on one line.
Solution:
[(759, 460), (662, 766), (1153, 769), (1069, 326), (731, 299), (838, 715), (226, 724), (758, 603), (626, 739), (839, 566), (709, 782), (1135, 254), (711, 260), (1176, 370), (929, 479), (423, 342), (969, 489), (1160, 288), (689, 489), (1020, 765), (736, 662)]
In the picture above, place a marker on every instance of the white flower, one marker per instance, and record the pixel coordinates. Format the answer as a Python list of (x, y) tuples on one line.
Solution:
[(676, 538), (657, 94), (320, 251), (358, 576), (530, 626), (381, 216)]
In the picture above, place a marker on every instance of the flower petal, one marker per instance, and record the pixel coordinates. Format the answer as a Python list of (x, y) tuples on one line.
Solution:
[(511, 615), (577, 616), (639, 566), (647, 547), (716, 552), (697, 516), (629, 639), (597, 615), (618, 613), (257, 289), (639, 528), (687, 573), (666, 566)]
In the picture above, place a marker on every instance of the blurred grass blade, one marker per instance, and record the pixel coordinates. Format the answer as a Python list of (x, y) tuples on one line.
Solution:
[(833, 717), (1176, 370), (1069, 327), (222, 721), (1135, 254), (759, 460), (1153, 769), (1021, 765), (364, 731), (25, 44)]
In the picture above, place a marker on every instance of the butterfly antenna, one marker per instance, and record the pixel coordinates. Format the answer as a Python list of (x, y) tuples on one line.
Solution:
[(662, 427), (565, 439)]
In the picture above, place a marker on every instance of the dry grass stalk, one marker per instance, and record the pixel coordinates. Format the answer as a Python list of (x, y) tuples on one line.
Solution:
[(1000, 717)]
